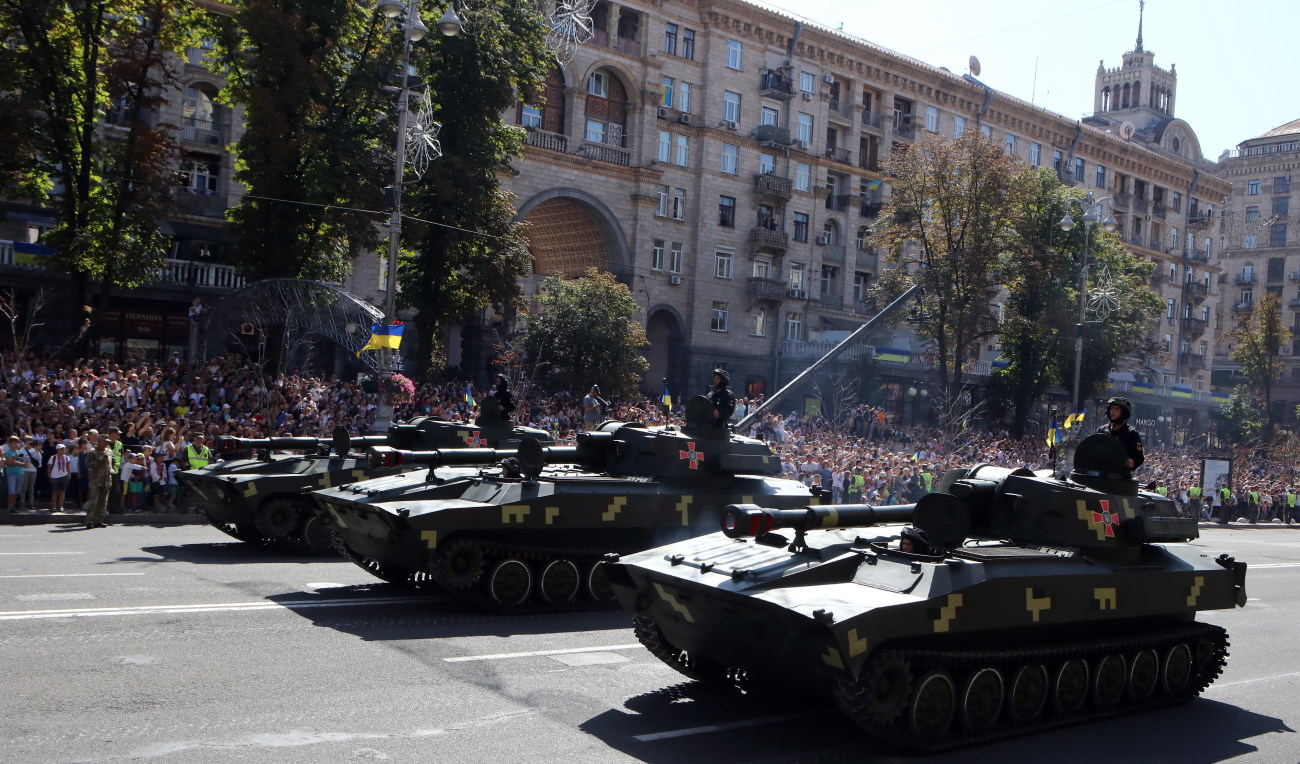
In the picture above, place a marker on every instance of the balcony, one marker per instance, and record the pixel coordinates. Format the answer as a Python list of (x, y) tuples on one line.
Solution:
[(865, 257), (837, 154), (602, 152), (120, 116), (189, 273), (871, 120), (1245, 306), (773, 136), (1194, 327), (1196, 291), (831, 302), (769, 240), (547, 140), (1141, 205), (1244, 279), (1192, 361), (834, 253), (766, 290), (208, 204), (774, 186), (628, 47), (1121, 199), (870, 209), (1199, 219), (203, 133), (1294, 304), (838, 202), (903, 128), (835, 104), (864, 307), (812, 350), (1198, 256), (870, 163), (776, 85), (1159, 210)]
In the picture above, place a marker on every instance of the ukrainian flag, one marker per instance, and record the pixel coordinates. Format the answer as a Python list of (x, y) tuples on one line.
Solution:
[(1180, 391), (30, 254), (1139, 387), (873, 185), (469, 395), (1073, 419), (1054, 434), (382, 336), (1219, 397), (667, 398), (893, 354)]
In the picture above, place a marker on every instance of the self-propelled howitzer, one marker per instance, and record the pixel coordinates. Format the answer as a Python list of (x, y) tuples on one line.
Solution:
[(1029, 601)]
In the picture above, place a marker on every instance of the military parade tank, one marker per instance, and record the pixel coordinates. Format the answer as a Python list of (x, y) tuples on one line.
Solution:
[(1030, 601), (530, 534), (262, 498)]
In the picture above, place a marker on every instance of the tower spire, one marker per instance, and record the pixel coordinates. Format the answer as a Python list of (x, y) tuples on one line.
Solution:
[(1142, 4)]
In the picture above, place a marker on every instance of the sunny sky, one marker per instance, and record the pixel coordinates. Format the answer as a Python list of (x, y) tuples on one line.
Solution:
[(1236, 64)]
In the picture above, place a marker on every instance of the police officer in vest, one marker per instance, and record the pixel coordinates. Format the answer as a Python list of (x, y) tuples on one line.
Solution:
[(1118, 412), (197, 455)]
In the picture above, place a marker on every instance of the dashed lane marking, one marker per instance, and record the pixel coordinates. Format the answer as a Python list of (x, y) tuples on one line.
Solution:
[(708, 728), (70, 575), (1275, 565), (222, 607), (14, 554), (540, 653)]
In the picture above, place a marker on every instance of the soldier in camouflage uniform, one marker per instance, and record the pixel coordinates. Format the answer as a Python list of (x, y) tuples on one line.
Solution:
[(99, 463)]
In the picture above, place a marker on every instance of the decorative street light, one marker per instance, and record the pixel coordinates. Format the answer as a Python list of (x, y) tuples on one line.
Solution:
[(414, 30), (1090, 210)]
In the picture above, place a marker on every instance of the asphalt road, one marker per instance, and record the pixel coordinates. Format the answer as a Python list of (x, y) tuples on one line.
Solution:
[(177, 644)]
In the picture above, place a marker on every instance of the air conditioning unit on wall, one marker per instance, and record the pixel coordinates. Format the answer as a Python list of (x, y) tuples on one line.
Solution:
[(829, 79), (807, 96), (824, 238), (675, 280), (686, 119), (663, 112)]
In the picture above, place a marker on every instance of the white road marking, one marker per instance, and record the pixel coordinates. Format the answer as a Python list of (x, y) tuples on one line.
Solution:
[(1273, 565), (651, 737), (12, 554), (55, 596), (540, 653), (1273, 678), (70, 575), (318, 585), (223, 607)]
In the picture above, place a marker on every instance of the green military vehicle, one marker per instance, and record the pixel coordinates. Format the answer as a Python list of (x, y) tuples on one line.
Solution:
[(1030, 601)]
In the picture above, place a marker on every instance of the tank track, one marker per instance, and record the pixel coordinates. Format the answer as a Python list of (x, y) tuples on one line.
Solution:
[(881, 715), (249, 535), (536, 558), (687, 664), (389, 573)]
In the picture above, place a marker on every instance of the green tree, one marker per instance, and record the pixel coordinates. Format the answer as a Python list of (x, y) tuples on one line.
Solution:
[(944, 229), (584, 335), (81, 85), (1238, 419), (1257, 346)]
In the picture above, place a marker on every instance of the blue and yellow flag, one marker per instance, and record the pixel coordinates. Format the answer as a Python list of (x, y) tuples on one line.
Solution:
[(382, 336), (469, 395), (1054, 434), (667, 399)]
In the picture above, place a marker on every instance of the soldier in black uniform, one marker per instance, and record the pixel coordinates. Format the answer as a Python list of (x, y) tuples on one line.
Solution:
[(505, 400), (724, 402), (1118, 411)]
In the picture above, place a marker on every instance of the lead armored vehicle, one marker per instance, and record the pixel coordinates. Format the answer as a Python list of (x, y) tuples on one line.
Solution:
[(1038, 601), (260, 496), (530, 535)]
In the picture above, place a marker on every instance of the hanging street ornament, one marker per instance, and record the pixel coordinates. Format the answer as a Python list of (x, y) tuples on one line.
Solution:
[(422, 137)]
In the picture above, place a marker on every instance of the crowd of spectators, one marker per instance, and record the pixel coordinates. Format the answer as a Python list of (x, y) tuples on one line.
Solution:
[(162, 412)]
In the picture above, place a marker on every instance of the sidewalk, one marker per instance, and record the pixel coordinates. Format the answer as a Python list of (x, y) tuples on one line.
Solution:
[(46, 517)]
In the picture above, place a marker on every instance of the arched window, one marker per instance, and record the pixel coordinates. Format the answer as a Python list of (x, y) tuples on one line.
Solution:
[(1105, 98), (1126, 96), (548, 116), (1137, 94), (201, 115), (606, 112), (832, 230)]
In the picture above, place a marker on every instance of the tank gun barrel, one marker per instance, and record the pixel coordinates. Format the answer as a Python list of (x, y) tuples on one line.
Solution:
[(739, 520), (830, 356), (271, 444), (366, 441), (379, 457)]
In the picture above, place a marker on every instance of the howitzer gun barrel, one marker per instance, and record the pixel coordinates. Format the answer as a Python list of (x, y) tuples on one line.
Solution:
[(383, 456), (739, 520), (366, 441), (272, 444)]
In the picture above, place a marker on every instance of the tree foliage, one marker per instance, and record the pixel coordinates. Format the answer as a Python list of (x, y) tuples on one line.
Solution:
[(67, 69), (1238, 420), (584, 335), (1257, 347)]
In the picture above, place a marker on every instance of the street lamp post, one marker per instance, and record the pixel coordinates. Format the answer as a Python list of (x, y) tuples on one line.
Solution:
[(414, 30), (1090, 210)]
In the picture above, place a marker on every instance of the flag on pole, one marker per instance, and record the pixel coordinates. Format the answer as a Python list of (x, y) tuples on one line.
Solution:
[(469, 395), (667, 398), (1054, 434), (382, 336)]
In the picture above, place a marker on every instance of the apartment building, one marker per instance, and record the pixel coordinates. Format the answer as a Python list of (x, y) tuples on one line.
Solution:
[(725, 161), (1260, 250)]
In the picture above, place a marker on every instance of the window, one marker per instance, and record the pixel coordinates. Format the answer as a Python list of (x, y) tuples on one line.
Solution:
[(807, 82), (1173, 273), (1252, 214), (722, 264), (1252, 188), (1035, 154), (665, 146), (530, 116), (1277, 235), (657, 255), (932, 119), (1057, 158), (683, 150), (830, 275), (766, 164), (1281, 205), (1078, 170), (1171, 307), (730, 106), (802, 177), (1101, 177), (760, 322), (595, 131), (1282, 184), (727, 211), (801, 226), (679, 204), (1011, 144), (688, 44), (958, 126), (719, 322), (1276, 268), (798, 276), (661, 209), (794, 327), (769, 116), (666, 92), (730, 159), (1250, 241), (735, 54), (598, 85), (861, 282), (675, 258), (670, 39), (199, 177), (1177, 206), (804, 129), (986, 131), (1168, 342), (762, 268), (1205, 314)]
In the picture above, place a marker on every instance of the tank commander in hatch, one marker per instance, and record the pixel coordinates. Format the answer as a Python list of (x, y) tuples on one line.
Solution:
[(1118, 412), (914, 541), (723, 400)]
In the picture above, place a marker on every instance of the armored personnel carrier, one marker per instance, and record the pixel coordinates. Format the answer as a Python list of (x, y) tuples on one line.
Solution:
[(530, 534), (1030, 601), (262, 498)]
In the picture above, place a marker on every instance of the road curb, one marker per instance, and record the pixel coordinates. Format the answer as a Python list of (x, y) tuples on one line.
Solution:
[(45, 517)]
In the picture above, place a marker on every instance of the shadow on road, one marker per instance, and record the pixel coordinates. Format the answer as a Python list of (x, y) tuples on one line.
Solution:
[(229, 553)]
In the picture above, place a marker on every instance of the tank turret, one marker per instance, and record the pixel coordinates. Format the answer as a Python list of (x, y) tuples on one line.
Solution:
[(1021, 601)]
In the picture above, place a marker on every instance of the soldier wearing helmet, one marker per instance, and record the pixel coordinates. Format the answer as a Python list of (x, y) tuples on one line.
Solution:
[(1118, 411), (720, 395)]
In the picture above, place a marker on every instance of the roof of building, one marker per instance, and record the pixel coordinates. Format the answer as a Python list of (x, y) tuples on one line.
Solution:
[(1290, 128)]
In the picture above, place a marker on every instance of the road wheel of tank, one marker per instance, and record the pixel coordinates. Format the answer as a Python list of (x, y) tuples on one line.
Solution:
[(1070, 688), (458, 564), (314, 535), (888, 686), (1143, 674), (509, 583), (1108, 679), (277, 518), (1176, 671), (598, 588), (559, 582), (684, 662), (1029, 691), (933, 706), (981, 699)]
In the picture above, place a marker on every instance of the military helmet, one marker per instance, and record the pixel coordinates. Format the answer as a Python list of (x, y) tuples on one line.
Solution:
[(1125, 408)]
